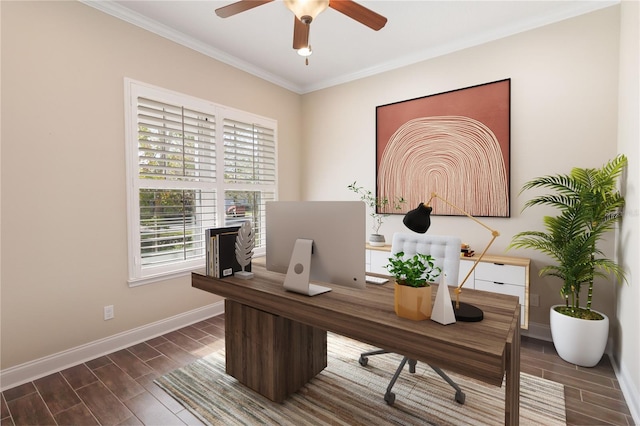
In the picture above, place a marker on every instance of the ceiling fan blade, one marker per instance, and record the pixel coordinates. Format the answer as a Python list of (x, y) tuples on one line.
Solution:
[(300, 34), (239, 6), (360, 13)]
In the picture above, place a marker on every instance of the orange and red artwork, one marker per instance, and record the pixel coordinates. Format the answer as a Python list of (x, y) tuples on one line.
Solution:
[(455, 144)]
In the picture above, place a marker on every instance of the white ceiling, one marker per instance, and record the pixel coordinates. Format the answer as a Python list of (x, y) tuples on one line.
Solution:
[(259, 41)]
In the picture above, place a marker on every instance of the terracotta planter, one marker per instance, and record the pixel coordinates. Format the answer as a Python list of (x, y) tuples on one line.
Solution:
[(412, 302)]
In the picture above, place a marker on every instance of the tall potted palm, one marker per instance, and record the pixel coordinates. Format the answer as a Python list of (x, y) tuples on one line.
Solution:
[(589, 205)]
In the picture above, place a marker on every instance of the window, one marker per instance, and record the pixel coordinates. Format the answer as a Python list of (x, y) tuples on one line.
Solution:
[(191, 165)]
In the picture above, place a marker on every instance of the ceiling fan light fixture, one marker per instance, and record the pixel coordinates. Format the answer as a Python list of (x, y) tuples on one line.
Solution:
[(306, 8), (305, 51)]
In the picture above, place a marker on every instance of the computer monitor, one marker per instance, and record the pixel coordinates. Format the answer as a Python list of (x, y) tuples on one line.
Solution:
[(317, 240)]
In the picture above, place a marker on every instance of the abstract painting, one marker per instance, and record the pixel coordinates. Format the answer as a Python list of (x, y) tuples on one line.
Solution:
[(455, 144)]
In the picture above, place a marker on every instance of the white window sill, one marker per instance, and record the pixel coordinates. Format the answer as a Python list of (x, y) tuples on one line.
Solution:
[(135, 282)]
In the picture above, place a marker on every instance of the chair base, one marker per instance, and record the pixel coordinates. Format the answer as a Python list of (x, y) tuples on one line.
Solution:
[(389, 396)]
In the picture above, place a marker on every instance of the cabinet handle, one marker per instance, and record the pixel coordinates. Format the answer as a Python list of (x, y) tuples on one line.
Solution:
[(499, 264), (499, 283)]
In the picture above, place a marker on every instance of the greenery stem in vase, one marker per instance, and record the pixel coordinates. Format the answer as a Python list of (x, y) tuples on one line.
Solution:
[(377, 205)]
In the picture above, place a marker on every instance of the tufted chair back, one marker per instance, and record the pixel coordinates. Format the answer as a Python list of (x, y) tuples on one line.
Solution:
[(445, 249)]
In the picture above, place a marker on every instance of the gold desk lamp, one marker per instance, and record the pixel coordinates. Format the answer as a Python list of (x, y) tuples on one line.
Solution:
[(419, 220)]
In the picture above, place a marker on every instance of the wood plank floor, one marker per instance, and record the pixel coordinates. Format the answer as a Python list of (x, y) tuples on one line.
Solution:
[(118, 389)]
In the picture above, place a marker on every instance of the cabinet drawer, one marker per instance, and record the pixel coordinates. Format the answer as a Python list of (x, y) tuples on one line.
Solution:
[(378, 260), (512, 290), (465, 267), (499, 273)]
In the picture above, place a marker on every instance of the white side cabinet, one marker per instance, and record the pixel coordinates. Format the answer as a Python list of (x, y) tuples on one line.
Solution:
[(377, 260), (498, 274), (501, 274)]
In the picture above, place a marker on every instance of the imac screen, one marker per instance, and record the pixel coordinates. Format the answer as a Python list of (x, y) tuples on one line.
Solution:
[(337, 229)]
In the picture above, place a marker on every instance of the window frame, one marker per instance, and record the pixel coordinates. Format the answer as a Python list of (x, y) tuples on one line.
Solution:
[(137, 273)]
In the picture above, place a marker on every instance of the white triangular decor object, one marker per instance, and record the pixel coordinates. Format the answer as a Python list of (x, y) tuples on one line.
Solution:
[(442, 308)]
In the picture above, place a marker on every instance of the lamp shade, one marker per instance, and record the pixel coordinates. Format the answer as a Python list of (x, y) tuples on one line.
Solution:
[(305, 51), (418, 219), (310, 8)]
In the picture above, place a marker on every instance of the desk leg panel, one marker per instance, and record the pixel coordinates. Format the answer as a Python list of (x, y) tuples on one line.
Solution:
[(512, 387), (270, 354)]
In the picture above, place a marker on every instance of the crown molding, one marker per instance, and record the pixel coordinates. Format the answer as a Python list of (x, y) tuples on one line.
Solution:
[(577, 9), (125, 14), (114, 9)]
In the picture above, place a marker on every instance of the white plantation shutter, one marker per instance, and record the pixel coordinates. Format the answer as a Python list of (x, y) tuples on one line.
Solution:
[(191, 168), (175, 142), (172, 231), (249, 153), (250, 160)]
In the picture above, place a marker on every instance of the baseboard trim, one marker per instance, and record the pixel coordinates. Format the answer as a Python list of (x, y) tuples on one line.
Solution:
[(631, 394), (42, 367), (38, 368), (629, 390), (543, 332), (538, 331)]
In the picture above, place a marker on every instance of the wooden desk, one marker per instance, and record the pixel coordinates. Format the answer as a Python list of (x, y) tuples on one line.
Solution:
[(276, 340)]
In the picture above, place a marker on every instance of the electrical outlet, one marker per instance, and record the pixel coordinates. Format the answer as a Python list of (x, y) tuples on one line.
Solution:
[(108, 312), (534, 300)]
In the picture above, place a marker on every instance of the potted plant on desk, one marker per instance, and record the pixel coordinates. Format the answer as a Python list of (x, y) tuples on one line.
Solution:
[(412, 291), (377, 206), (589, 206)]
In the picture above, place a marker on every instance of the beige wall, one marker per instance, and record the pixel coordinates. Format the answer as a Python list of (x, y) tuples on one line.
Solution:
[(627, 337), (64, 231), (564, 85), (62, 163), (564, 113)]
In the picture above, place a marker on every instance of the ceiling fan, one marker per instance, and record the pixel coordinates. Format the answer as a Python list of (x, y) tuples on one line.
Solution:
[(305, 12)]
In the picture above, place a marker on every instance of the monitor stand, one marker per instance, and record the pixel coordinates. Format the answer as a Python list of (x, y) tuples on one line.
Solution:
[(297, 279)]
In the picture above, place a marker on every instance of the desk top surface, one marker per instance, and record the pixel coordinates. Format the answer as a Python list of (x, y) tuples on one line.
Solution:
[(473, 349)]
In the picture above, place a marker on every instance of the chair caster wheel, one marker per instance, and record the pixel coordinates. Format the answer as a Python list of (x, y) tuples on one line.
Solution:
[(390, 397), (460, 397), (363, 361)]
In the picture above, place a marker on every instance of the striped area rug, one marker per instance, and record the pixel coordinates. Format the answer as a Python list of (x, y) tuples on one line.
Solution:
[(346, 393)]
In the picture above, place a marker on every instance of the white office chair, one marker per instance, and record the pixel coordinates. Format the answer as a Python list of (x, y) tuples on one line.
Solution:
[(446, 251)]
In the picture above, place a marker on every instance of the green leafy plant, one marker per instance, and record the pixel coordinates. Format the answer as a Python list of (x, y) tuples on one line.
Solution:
[(590, 205), (376, 204), (416, 271)]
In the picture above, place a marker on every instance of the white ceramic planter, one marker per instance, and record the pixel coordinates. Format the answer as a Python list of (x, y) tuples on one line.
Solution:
[(376, 240), (578, 341)]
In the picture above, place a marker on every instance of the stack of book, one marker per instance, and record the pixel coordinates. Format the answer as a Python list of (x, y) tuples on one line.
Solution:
[(221, 252), (466, 251)]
